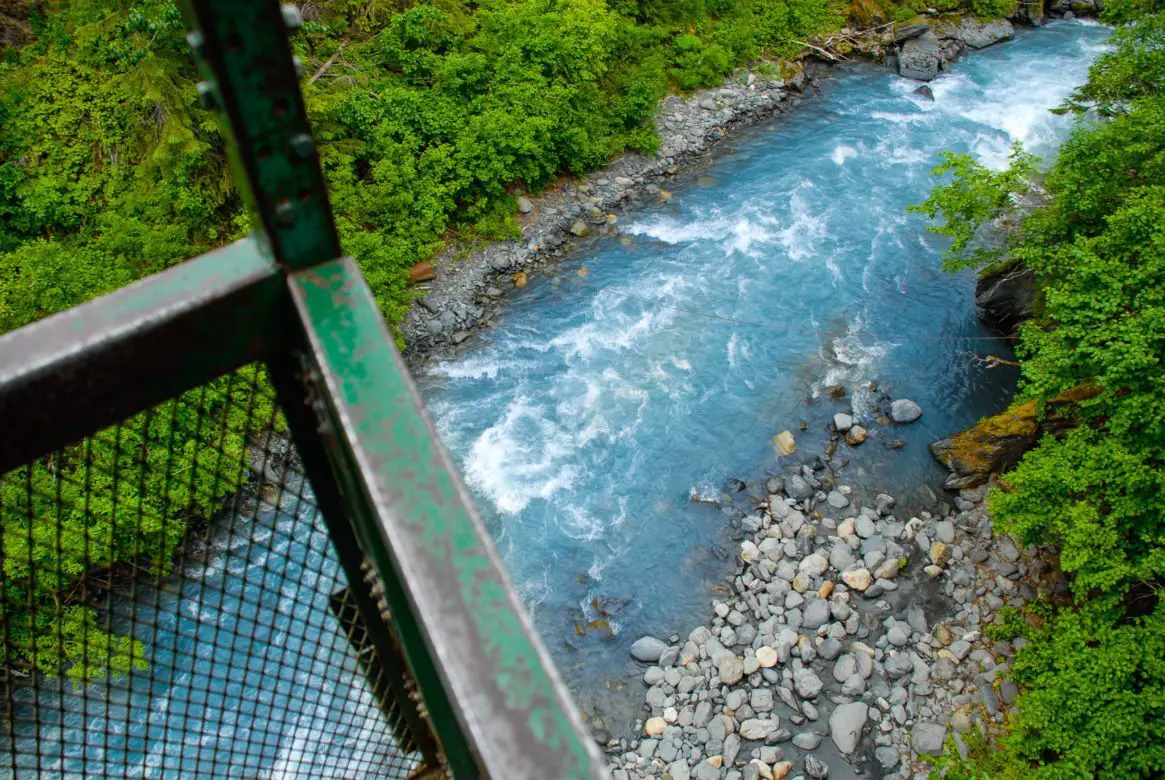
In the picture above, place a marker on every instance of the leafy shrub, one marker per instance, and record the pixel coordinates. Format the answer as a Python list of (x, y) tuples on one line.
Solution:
[(1093, 673), (992, 9)]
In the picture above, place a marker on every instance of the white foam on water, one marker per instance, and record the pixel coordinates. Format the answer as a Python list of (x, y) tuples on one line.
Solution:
[(899, 118), (577, 523), (841, 153), (521, 457), (833, 268), (730, 349), (806, 228), (743, 233), (853, 357), (474, 366), (618, 332)]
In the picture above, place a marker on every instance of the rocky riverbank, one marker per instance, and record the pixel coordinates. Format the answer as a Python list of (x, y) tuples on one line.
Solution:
[(469, 284), (853, 639)]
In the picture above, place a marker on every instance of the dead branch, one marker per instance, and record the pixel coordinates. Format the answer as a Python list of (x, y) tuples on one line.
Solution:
[(330, 62), (830, 55)]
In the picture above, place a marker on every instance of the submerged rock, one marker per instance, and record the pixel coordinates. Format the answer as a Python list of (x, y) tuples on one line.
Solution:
[(797, 488), (925, 92), (784, 443)]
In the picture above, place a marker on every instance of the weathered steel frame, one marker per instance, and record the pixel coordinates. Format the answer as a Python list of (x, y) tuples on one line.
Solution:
[(385, 485)]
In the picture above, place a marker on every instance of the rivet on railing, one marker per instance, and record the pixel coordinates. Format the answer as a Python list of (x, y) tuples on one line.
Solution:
[(206, 95), (291, 16)]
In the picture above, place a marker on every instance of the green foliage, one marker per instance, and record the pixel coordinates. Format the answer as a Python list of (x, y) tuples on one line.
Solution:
[(992, 9), (975, 200), (120, 500), (1093, 673), (108, 172)]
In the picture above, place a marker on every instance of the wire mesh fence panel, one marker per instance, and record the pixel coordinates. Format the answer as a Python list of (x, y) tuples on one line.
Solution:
[(173, 606)]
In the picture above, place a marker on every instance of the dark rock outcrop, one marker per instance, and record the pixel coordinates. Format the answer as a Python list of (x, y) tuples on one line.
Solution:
[(996, 444), (1029, 12), (904, 32), (925, 49), (919, 57), (976, 33), (1004, 297)]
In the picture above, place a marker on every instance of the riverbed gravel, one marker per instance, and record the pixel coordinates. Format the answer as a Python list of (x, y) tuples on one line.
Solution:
[(853, 640)]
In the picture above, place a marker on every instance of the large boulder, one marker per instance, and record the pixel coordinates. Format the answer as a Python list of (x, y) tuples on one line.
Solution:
[(919, 57), (996, 444), (977, 33), (904, 31), (1004, 296)]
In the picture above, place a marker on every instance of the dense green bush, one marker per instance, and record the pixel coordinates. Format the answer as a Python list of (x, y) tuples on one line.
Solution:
[(992, 9), (1093, 673)]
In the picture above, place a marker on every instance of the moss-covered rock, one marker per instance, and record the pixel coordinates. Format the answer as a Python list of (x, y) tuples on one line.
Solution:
[(997, 443)]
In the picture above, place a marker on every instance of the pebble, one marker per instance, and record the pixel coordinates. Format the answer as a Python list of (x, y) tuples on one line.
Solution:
[(846, 723), (648, 649), (927, 738), (807, 683), (858, 579), (731, 670), (905, 411), (759, 729)]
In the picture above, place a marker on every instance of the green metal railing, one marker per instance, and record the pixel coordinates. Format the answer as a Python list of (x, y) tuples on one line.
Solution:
[(202, 581)]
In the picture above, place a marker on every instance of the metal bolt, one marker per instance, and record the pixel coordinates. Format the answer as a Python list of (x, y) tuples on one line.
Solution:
[(196, 42), (298, 63), (291, 16), (206, 95), (285, 212), (303, 144)]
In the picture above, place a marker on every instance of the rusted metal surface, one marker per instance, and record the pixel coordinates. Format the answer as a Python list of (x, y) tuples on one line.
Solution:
[(460, 621), (87, 368), (243, 52)]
